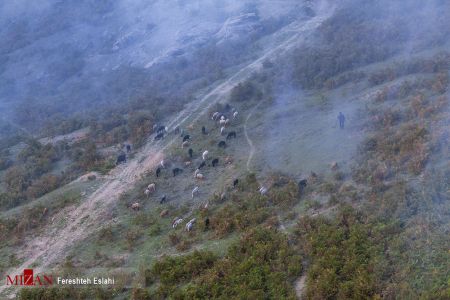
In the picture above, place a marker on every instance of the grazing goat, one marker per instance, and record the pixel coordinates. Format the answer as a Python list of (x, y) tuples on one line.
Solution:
[(235, 182), (222, 130), (235, 114), (201, 165), (215, 115), (185, 144), (122, 158), (302, 185), (222, 144), (161, 129), (205, 155), (158, 171), (191, 152), (231, 134), (195, 191), (190, 224), (163, 199), (159, 136), (135, 206), (215, 162), (199, 176), (186, 137), (263, 190), (176, 222), (196, 172), (151, 187)]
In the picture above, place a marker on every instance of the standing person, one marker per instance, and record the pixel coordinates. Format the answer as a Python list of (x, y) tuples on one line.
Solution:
[(341, 119)]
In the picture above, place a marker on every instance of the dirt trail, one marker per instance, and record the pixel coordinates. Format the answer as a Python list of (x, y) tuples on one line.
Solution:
[(300, 284), (56, 240)]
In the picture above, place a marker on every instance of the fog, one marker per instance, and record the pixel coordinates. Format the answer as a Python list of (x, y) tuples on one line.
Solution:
[(67, 55)]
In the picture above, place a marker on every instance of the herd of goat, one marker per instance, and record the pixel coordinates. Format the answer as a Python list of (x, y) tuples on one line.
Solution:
[(223, 121)]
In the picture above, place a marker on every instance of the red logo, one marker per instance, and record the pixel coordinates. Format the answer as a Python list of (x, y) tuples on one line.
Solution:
[(28, 279)]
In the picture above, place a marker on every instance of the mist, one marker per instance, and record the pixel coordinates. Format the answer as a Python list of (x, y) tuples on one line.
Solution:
[(74, 57)]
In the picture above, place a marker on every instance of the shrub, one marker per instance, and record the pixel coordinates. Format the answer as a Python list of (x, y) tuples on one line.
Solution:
[(246, 91)]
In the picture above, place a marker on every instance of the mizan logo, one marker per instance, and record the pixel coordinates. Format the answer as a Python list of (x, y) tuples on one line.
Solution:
[(28, 279)]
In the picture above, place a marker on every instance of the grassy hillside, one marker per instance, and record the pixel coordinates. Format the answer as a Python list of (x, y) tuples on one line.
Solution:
[(370, 221)]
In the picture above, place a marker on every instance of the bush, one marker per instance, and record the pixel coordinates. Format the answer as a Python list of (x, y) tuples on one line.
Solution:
[(246, 91)]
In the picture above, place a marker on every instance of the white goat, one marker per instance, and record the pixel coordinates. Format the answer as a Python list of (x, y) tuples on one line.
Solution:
[(195, 191), (263, 190), (151, 187), (205, 155), (176, 222), (190, 224)]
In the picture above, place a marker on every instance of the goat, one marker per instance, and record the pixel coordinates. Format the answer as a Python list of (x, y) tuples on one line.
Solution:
[(195, 191), (215, 162), (176, 222), (205, 155)]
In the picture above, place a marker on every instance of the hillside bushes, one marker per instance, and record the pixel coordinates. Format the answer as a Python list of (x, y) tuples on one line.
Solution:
[(347, 256), (262, 264)]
